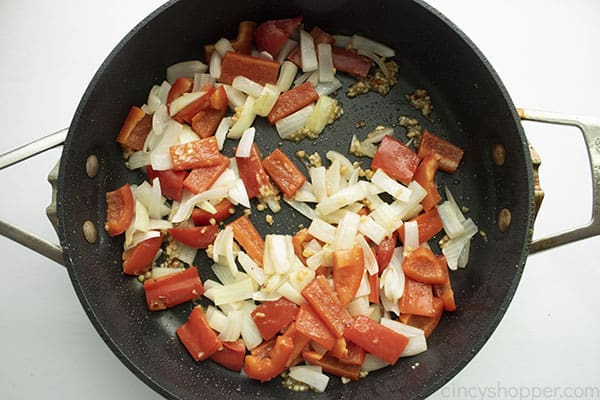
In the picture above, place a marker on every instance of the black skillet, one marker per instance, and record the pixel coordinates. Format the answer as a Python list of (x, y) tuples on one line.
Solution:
[(472, 109)]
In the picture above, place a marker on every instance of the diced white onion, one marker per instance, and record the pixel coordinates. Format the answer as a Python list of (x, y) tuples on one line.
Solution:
[(377, 61), (267, 99), (247, 86), (319, 183), (345, 233), (291, 124), (250, 332), (216, 319), (411, 235), (372, 363), (310, 375), (450, 219), (300, 278), (186, 254), (390, 185), (321, 114), (378, 134), (285, 51), (223, 46), (454, 204), (326, 71), (215, 65), (235, 97), (237, 291), (342, 40), (305, 194), (370, 261), (245, 119), (201, 80), (322, 230), (303, 77), (160, 119), (361, 42), (185, 69), (327, 88), (359, 306), (245, 144), (223, 273), (233, 328), (251, 268), (138, 159), (291, 293), (386, 217), (302, 208), (372, 229), (287, 74), (307, 51), (238, 195), (187, 205), (340, 199), (278, 254), (416, 337), (183, 101), (157, 272), (188, 135)]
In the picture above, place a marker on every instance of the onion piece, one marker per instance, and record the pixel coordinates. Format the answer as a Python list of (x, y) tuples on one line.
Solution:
[(251, 268), (322, 230), (301, 277), (372, 229), (139, 159), (288, 126), (359, 306), (370, 261), (346, 230), (240, 290), (201, 80), (333, 178), (310, 375), (237, 193), (305, 193), (362, 149), (289, 292), (327, 88), (216, 319), (361, 42), (245, 119), (183, 101), (221, 132), (416, 337), (326, 70), (185, 69), (378, 134), (319, 182), (223, 273), (372, 363), (233, 328), (235, 97), (287, 73), (307, 51), (214, 68), (247, 86), (387, 218), (364, 288), (302, 208), (345, 164), (450, 219), (340, 199), (321, 114), (377, 61), (188, 135), (454, 204), (249, 332), (267, 99), (160, 119), (187, 205), (139, 237), (285, 51), (390, 185), (222, 46), (342, 40), (313, 78), (278, 254), (158, 272), (411, 235), (302, 78), (245, 144)]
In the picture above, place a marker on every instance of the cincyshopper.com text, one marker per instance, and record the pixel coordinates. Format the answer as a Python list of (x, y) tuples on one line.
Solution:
[(500, 391)]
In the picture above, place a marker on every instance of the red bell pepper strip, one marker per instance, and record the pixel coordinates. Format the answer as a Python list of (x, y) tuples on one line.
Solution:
[(231, 355), (202, 103), (292, 101), (332, 365), (374, 284), (135, 129), (272, 35), (427, 324), (350, 62), (243, 42), (199, 237), (171, 182), (284, 173), (340, 349), (377, 339), (171, 290), (180, 86), (311, 326), (395, 159), (295, 56), (218, 99), (385, 251), (271, 317), (198, 337), (327, 305), (348, 268), (451, 155), (138, 259), (206, 122), (429, 224), (253, 174), (224, 210), (265, 368), (245, 233), (300, 343), (320, 36), (196, 154), (298, 240), (201, 179), (417, 298), (355, 354), (119, 210), (423, 266), (260, 70), (444, 291), (425, 176)]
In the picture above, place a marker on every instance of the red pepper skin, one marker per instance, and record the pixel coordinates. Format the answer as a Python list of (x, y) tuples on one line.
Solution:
[(377, 339), (260, 70), (198, 337), (395, 159), (272, 35), (138, 259), (292, 101), (135, 129), (425, 176), (119, 210), (172, 290)]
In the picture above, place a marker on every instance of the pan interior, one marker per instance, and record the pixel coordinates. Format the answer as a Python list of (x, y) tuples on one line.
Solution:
[(472, 110)]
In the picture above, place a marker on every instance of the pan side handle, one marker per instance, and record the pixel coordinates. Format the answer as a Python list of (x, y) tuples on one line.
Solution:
[(590, 128), (19, 235)]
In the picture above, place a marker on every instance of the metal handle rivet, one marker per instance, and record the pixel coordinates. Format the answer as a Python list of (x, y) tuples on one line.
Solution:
[(89, 232), (499, 154), (504, 218), (92, 165)]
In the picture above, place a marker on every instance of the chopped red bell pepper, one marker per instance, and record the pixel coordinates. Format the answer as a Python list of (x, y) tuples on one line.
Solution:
[(300, 343), (355, 354), (206, 122), (171, 290), (348, 268), (267, 367), (451, 155), (198, 237), (253, 174), (429, 224), (283, 172), (201, 179), (202, 103), (340, 349), (320, 36), (327, 305), (271, 317), (196, 154), (292, 101), (311, 326), (180, 86), (332, 365), (425, 176), (377, 339), (272, 35), (374, 285), (385, 251), (427, 324), (119, 210), (444, 291), (295, 56), (350, 62), (138, 259), (258, 69), (218, 99), (171, 182), (243, 42), (395, 159), (135, 129), (203, 217), (198, 337), (423, 266), (298, 240), (245, 233), (231, 355), (417, 298)]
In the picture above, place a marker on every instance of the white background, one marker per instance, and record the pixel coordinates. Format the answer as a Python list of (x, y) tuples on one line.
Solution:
[(546, 52)]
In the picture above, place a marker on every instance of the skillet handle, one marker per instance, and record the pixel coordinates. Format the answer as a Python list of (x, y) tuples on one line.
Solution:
[(27, 239), (590, 127)]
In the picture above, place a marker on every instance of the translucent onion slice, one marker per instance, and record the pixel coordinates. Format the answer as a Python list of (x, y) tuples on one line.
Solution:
[(359, 306), (245, 144), (233, 328), (201, 80), (226, 294), (305, 194), (451, 219), (235, 97), (287, 73), (307, 51), (291, 293), (361, 42), (247, 86), (364, 289), (251, 268), (267, 99), (158, 272), (249, 332), (245, 119), (326, 70), (294, 122), (345, 233), (340, 199), (416, 337), (321, 115), (185, 69), (342, 40), (377, 61), (237, 193), (214, 68), (322, 230), (221, 132), (371, 265), (411, 235), (346, 168), (310, 375), (285, 51), (160, 119), (328, 88), (390, 185), (372, 230), (302, 208), (183, 101), (319, 183), (187, 205), (372, 363), (223, 46), (139, 159)]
